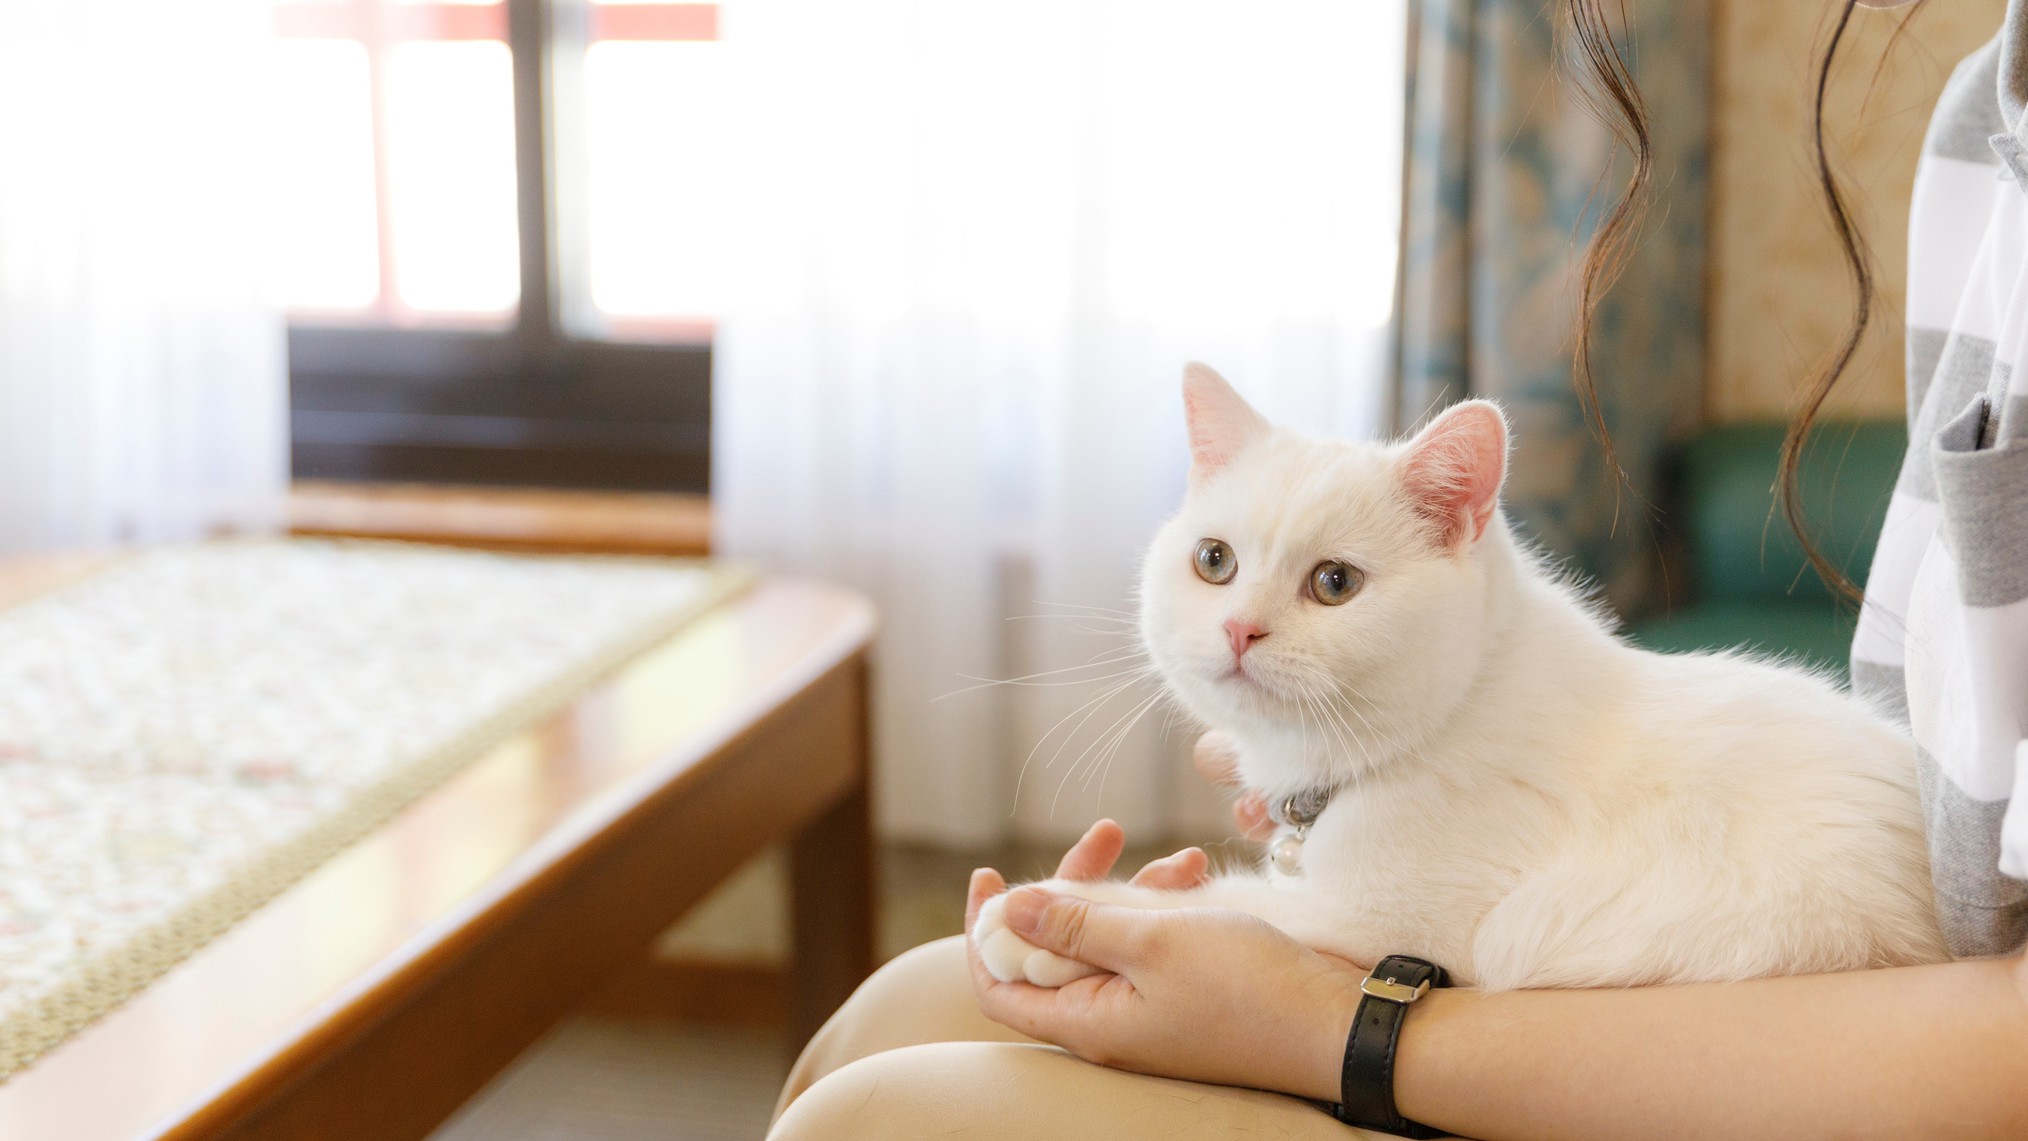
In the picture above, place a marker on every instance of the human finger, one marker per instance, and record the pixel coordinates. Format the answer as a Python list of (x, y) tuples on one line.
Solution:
[(1038, 1012), (1109, 938), (1057, 1016), (1250, 816), (1216, 758), (1185, 869), (986, 883), (1094, 854)]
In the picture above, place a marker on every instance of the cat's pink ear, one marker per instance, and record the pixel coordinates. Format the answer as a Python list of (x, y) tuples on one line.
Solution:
[(1453, 470), (1221, 424)]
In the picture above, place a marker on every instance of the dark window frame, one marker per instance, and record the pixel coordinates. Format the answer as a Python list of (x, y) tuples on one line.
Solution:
[(534, 404)]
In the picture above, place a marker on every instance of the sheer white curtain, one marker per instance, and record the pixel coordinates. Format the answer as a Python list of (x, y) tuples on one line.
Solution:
[(143, 388), (976, 244)]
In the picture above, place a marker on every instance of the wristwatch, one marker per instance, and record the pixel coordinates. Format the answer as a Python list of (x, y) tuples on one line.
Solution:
[(1367, 1082)]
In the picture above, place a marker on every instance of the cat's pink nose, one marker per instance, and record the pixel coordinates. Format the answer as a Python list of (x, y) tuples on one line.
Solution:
[(1243, 636)]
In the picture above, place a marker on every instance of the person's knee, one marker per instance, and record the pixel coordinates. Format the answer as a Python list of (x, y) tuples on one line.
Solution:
[(990, 1090), (914, 1091), (872, 1097), (937, 968), (923, 995)]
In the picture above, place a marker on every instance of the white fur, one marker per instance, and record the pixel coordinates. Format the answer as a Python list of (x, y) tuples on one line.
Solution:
[(1520, 796)]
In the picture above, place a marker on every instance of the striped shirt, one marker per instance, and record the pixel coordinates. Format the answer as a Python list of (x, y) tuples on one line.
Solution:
[(1943, 637)]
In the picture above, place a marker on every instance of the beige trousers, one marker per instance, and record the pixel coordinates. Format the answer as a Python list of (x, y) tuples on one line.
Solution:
[(909, 1055)]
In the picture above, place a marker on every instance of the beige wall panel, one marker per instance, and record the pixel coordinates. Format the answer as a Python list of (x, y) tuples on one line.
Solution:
[(1778, 292)]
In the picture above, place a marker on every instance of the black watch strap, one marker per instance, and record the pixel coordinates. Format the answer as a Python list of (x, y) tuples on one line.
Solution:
[(1367, 1084)]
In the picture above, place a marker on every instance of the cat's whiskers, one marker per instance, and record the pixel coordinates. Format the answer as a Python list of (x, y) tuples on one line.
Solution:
[(1087, 623), (1347, 734), (988, 683), (1303, 726), (1105, 735), (1128, 718), (1101, 765), (1101, 669), (1337, 709), (1125, 622), (1088, 708), (1124, 615), (1106, 761), (1332, 723), (1351, 705), (1324, 722), (1117, 655)]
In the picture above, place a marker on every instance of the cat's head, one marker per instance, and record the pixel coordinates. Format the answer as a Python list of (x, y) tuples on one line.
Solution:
[(1325, 601)]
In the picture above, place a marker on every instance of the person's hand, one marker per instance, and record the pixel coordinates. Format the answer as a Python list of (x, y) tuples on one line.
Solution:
[(1090, 859), (1197, 993), (1095, 853), (1219, 763)]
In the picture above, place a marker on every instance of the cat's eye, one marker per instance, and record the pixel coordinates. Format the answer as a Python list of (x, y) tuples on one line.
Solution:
[(1216, 564), (1334, 583)]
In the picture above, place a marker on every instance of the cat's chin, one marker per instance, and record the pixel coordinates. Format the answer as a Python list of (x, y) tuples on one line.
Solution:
[(1240, 694), (1261, 711), (1250, 685), (1281, 762), (1222, 693), (1283, 748)]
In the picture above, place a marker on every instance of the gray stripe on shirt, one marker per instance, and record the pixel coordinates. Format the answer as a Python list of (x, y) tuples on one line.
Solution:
[(2013, 429), (1983, 491), (1964, 372), (1922, 353), (1968, 115), (1882, 686), (1981, 911), (2011, 70)]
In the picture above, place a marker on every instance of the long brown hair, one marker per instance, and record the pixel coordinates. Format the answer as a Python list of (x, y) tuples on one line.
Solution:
[(1606, 86), (1608, 91)]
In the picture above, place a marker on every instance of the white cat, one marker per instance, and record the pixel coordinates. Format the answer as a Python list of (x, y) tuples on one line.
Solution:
[(1515, 794)]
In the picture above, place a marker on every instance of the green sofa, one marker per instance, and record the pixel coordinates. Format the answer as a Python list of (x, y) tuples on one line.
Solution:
[(1750, 583)]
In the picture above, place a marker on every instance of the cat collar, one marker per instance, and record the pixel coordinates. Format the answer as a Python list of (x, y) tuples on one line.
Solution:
[(1295, 812)]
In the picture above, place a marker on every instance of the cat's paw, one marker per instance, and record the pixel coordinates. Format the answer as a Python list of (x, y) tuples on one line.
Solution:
[(1012, 959)]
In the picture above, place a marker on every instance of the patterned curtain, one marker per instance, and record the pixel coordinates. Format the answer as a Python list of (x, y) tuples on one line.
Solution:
[(1502, 187)]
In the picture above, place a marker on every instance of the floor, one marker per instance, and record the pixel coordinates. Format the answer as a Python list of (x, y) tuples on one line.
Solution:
[(607, 1079), (596, 1079)]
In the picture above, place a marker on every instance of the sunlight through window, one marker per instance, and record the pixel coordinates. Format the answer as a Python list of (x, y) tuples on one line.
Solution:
[(326, 254), (450, 154), (657, 201), (394, 158)]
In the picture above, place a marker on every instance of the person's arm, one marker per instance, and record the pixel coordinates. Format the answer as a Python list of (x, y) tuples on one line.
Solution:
[(1932, 1052)]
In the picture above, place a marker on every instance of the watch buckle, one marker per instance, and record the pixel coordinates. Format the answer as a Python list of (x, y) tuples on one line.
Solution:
[(1393, 991)]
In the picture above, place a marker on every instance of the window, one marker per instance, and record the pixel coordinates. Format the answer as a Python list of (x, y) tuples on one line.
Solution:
[(499, 251)]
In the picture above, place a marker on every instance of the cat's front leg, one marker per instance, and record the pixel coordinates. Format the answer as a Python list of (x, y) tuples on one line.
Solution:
[(1010, 958)]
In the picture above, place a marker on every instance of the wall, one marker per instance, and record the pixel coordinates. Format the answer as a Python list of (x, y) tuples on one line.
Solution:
[(1778, 293)]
